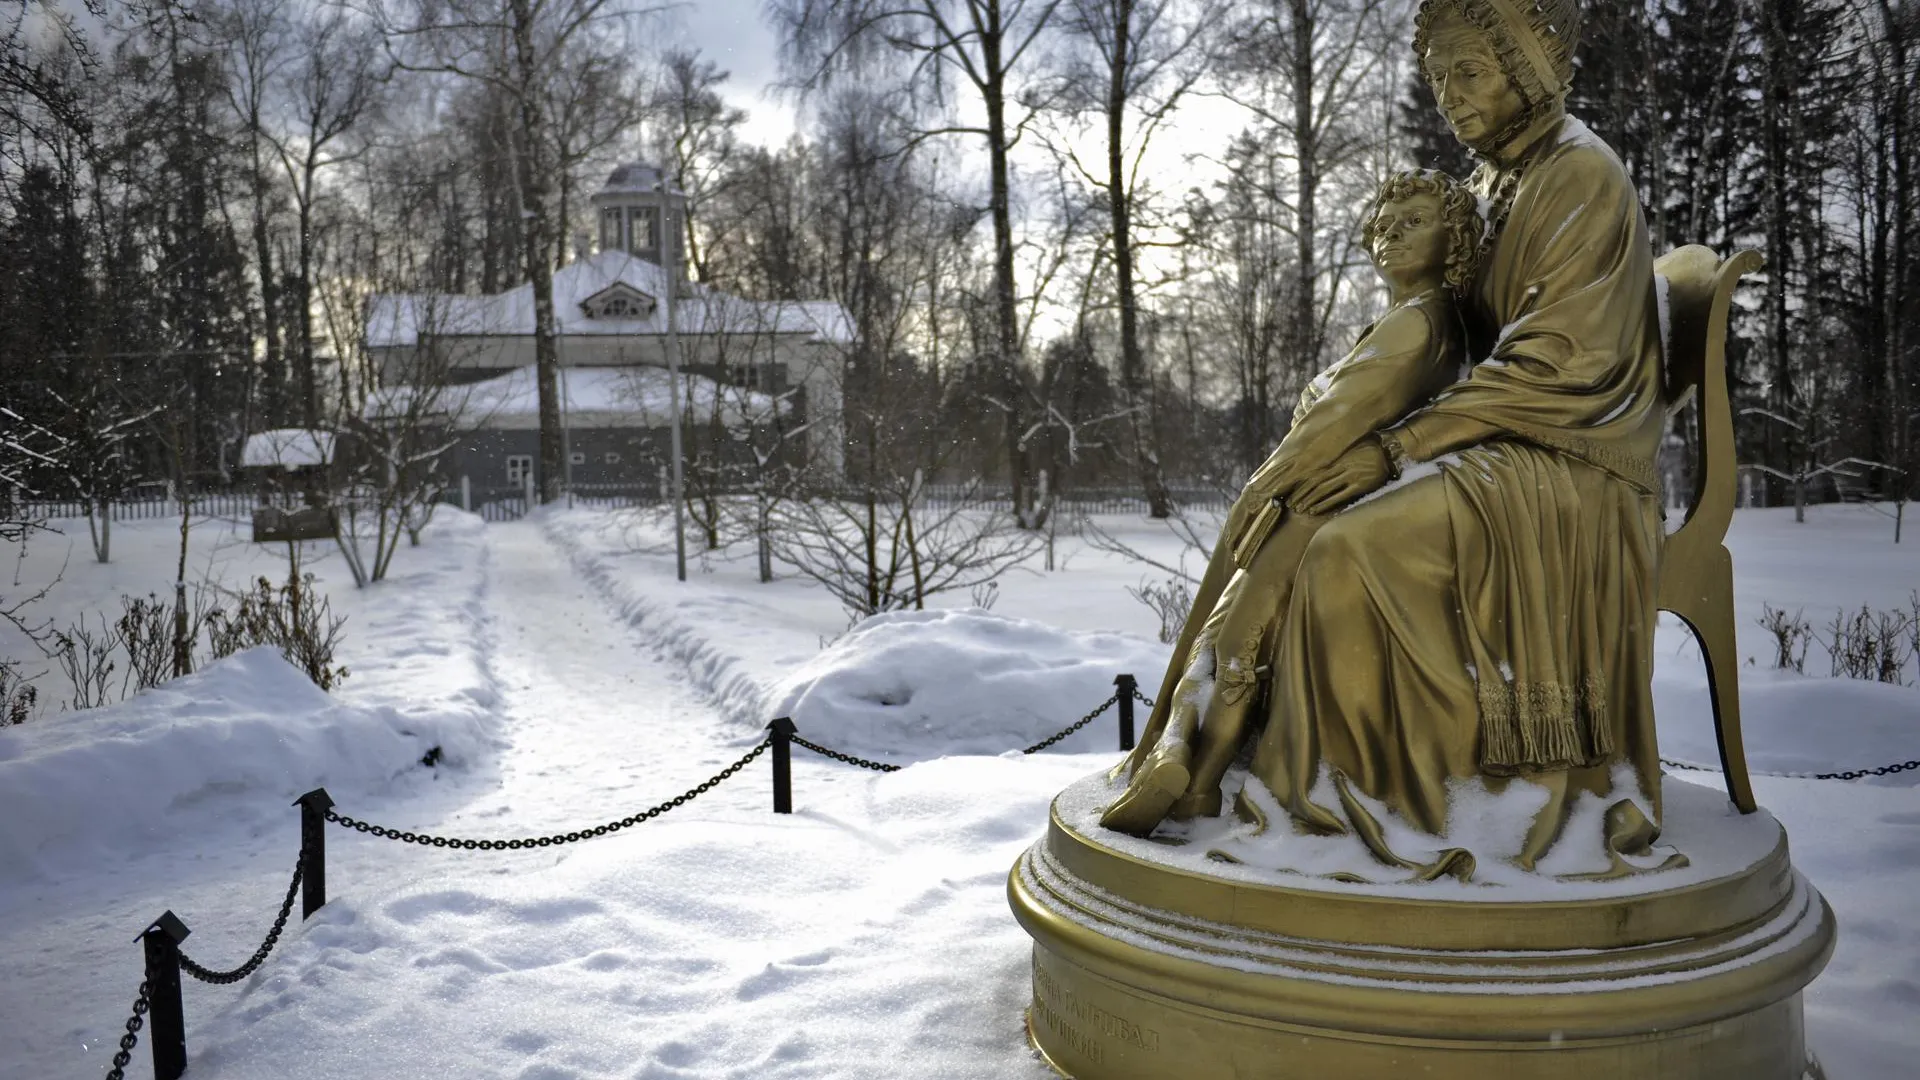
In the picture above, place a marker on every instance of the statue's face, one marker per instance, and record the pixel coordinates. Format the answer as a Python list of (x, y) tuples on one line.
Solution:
[(1474, 94), (1410, 239)]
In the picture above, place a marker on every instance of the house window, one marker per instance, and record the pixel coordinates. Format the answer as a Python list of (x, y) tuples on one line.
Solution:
[(519, 467), (612, 458), (640, 223), (622, 307), (577, 457), (609, 230)]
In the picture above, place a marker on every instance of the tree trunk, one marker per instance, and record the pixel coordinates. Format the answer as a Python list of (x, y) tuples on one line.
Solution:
[(1133, 367), (537, 216), (1005, 301), (182, 643), (274, 361), (1306, 191), (309, 379), (1779, 241)]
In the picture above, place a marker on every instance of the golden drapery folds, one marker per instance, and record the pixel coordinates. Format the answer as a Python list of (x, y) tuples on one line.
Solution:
[(1490, 620)]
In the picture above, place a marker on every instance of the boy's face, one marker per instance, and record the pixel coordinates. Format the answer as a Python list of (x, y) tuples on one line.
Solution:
[(1410, 240)]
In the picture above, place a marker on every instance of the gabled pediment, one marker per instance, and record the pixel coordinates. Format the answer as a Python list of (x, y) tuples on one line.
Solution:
[(618, 301)]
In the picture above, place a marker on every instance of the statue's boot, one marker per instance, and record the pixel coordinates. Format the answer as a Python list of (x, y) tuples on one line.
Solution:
[(1157, 783), (1193, 804)]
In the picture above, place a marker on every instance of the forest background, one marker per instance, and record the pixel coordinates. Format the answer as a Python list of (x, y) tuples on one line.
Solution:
[(1106, 241)]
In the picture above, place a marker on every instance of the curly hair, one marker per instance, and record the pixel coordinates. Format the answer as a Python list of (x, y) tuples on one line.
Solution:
[(1459, 210), (1555, 25)]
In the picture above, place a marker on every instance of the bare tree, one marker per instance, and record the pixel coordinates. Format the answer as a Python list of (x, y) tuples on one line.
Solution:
[(1129, 64), (893, 551), (1306, 69), (596, 102), (695, 138), (392, 479), (984, 45), (329, 90), (258, 37)]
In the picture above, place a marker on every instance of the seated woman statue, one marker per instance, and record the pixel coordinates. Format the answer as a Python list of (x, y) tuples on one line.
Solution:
[(1490, 617)]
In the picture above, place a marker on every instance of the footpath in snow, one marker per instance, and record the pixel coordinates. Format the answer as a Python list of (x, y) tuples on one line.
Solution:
[(571, 682)]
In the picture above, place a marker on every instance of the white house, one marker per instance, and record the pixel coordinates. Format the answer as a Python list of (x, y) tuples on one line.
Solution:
[(743, 359)]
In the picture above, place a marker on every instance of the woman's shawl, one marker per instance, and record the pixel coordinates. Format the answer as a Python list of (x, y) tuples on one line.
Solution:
[(1567, 318), (1554, 577)]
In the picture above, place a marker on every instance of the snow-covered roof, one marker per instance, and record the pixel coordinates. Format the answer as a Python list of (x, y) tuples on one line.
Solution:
[(398, 319), (287, 448), (638, 178), (635, 396)]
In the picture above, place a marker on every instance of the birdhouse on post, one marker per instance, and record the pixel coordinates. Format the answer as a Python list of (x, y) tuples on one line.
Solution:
[(291, 469)]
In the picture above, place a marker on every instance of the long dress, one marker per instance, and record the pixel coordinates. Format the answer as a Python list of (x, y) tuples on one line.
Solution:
[(1399, 362), (1494, 619)]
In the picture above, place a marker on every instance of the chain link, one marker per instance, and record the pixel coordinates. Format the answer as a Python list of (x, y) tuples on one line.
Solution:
[(1075, 726), (557, 838), (1142, 698), (221, 978), (1851, 774), (132, 1038), (1034, 749), (836, 755)]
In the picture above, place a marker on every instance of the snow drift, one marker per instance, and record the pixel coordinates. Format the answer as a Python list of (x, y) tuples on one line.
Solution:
[(917, 684), (250, 725)]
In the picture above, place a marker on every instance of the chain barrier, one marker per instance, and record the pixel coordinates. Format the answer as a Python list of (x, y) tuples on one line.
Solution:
[(836, 755), (221, 978), (1075, 726), (1142, 698), (132, 1038), (1851, 774), (557, 838), (877, 766)]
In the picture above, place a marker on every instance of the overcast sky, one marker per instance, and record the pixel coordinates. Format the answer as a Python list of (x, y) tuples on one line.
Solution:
[(732, 34)]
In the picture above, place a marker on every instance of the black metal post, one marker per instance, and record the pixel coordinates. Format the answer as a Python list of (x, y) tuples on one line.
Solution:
[(1126, 685), (166, 1021), (313, 847), (783, 730)]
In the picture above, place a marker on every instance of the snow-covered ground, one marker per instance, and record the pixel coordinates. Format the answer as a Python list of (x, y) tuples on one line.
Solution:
[(569, 680)]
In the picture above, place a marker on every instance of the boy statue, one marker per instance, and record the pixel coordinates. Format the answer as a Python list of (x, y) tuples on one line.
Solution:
[(1423, 236)]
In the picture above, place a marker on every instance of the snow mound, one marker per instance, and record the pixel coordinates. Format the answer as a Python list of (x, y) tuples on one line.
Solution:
[(1793, 722), (249, 731), (921, 684)]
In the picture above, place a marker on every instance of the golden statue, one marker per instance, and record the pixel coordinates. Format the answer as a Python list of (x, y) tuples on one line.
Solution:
[(1424, 639), (1491, 617)]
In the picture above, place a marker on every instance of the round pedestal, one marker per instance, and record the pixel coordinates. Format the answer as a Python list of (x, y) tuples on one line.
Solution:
[(1144, 969)]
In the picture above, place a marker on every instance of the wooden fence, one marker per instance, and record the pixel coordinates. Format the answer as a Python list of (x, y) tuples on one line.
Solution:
[(510, 503)]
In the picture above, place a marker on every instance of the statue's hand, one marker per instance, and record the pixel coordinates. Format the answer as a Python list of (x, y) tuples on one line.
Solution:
[(1279, 475), (1362, 470)]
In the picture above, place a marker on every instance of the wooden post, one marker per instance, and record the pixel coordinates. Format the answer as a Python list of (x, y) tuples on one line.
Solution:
[(313, 850), (166, 1020), (1126, 685), (783, 730), (466, 493)]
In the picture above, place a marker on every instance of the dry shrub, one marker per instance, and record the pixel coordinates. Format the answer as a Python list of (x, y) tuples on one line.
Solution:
[(17, 696), (1791, 635), (1872, 645), (292, 618), (146, 632), (1171, 600), (86, 657)]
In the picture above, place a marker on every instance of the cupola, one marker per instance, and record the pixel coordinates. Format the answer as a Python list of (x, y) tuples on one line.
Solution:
[(636, 207)]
